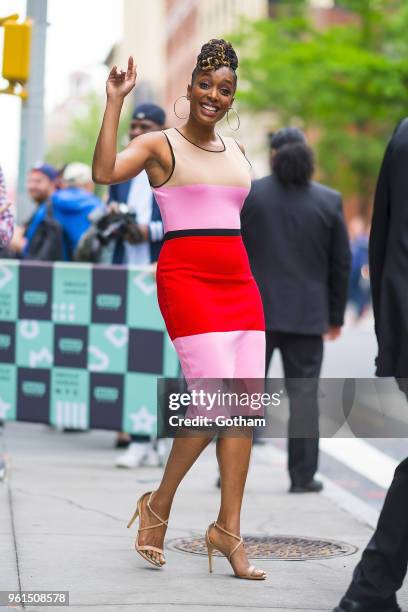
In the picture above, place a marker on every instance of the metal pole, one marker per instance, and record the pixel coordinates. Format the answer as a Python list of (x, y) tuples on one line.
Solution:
[(32, 109)]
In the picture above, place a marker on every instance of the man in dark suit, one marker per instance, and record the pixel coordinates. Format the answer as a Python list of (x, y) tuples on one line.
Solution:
[(383, 565), (298, 248)]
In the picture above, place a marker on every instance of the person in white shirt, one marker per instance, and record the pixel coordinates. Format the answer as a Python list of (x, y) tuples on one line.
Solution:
[(139, 247)]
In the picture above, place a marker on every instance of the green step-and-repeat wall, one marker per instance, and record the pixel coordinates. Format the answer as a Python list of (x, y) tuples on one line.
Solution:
[(81, 345)]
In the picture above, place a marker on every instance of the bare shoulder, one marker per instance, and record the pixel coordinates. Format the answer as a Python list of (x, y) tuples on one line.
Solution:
[(158, 157), (154, 142)]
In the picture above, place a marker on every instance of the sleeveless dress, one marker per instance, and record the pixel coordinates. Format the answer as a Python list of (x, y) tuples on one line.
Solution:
[(207, 295)]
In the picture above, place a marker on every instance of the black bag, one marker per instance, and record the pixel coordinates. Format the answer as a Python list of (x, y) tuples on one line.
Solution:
[(89, 246), (47, 242)]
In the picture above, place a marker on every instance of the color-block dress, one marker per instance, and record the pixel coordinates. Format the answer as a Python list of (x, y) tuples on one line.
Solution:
[(207, 295)]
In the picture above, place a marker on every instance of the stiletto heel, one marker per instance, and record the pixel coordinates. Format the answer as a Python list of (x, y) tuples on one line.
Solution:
[(250, 573), (142, 549), (132, 520), (210, 549)]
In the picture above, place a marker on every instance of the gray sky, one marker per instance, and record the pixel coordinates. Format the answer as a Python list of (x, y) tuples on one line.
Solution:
[(80, 34)]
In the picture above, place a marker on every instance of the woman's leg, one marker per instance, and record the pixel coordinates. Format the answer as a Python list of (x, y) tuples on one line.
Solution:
[(184, 453), (233, 454)]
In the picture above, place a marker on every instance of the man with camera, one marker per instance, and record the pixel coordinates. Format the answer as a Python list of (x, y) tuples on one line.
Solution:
[(139, 242), (136, 226)]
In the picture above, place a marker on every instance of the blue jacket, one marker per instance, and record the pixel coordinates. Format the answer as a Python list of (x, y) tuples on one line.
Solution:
[(72, 207), (120, 193)]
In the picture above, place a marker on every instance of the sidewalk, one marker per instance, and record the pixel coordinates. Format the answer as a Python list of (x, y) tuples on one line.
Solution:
[(63, 515)]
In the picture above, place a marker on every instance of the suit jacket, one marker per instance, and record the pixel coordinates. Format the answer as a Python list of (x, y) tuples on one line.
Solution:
[(120, 193), (299, 253), (388, 257)]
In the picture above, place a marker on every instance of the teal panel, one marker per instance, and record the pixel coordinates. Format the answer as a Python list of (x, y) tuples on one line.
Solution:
[(142, 307), (72, 294), (35, 341), (70, 398), (171, 362), (140, 409), (8, 392), (108, 348), (9, 283)]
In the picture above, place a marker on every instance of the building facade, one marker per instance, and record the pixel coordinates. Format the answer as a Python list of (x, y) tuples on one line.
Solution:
[(143, 38)]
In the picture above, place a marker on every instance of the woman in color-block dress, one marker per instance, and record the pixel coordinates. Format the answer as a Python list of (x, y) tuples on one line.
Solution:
[(206, 292)]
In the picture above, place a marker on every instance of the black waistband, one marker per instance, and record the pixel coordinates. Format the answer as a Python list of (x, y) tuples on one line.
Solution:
[(201, 232)]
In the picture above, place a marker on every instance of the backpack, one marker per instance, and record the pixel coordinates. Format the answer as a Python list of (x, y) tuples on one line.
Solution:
[(47, 242)]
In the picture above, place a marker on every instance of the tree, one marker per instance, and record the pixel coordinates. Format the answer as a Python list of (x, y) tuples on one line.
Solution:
[(347, 83)]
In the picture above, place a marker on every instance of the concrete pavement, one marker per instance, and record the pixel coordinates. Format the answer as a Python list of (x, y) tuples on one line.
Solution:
[(63, 515)]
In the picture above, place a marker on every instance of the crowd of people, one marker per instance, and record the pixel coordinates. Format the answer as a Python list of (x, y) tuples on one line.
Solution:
[(71, 223)]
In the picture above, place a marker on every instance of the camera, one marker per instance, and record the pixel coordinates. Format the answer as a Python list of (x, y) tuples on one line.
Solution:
[(118, 224)]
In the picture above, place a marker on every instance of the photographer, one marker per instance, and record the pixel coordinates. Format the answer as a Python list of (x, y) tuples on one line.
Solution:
[(129, 230), (110, 226), (141, 243), (136, 219)]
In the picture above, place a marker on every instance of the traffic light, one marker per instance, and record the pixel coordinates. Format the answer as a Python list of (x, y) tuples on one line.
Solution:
[(16, 53)]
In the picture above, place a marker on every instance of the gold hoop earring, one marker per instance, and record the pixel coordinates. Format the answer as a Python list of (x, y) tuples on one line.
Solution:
[(239, 122), (174, 107)]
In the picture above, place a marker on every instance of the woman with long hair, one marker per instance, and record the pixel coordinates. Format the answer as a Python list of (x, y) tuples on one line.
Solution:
[(206, 292)]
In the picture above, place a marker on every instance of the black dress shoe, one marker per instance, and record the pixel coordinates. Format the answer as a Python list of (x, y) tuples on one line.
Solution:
[(349, 605), (313, 486)]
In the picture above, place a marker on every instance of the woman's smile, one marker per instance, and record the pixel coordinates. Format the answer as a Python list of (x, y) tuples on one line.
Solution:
[(210, 110)]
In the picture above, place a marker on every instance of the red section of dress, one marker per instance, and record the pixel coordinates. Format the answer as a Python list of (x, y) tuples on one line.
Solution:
[(205, 284)]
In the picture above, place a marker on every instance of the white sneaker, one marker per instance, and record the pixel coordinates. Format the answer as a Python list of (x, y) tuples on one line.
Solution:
[(151, 459), (134, 455), (163, 448)]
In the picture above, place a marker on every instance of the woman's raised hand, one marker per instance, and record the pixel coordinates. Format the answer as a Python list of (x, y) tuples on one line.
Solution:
[(120, 83)]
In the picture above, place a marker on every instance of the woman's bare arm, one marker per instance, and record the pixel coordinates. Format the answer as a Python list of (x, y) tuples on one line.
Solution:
[(108, 166)]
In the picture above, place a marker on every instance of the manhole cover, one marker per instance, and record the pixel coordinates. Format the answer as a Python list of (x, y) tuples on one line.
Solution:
[(284, 548)]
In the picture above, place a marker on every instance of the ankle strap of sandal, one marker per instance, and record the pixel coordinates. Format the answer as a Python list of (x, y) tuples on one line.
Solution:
[(233, 535), (159, 518)]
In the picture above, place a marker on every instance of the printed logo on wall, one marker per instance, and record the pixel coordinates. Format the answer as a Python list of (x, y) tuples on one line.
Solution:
[(81, 346)]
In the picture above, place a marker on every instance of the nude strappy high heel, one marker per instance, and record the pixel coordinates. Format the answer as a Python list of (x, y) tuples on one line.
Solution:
[(250, 573), (142, 549)]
